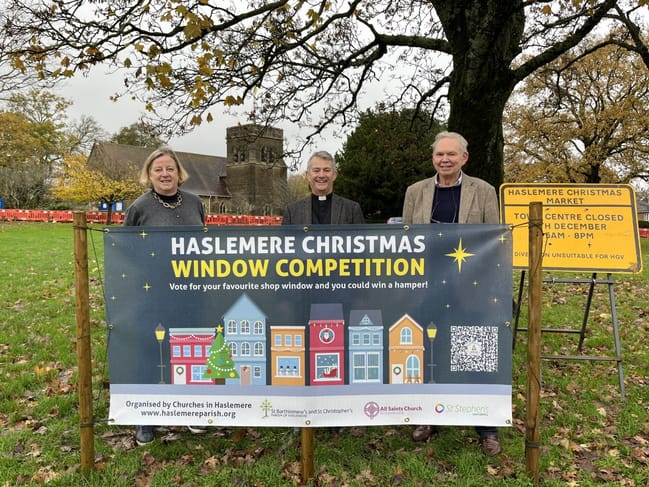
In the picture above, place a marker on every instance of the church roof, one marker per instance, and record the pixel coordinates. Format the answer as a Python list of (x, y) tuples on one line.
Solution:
[(207, 174)]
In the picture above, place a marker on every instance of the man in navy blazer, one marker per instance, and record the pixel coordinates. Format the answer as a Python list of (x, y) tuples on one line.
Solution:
[(322, 206), (453, 197)]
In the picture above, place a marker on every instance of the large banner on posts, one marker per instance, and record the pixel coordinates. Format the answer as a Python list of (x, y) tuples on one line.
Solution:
[(309, 326)]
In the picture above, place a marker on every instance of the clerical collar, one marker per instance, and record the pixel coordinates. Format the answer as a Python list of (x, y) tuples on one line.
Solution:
[(456, 183), (320, 197)]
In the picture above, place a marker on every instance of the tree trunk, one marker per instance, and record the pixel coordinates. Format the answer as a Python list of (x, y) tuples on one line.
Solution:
[(485, 36), (109, 214)]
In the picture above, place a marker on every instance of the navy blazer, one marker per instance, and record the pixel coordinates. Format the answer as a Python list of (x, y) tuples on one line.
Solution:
[(342, 211)]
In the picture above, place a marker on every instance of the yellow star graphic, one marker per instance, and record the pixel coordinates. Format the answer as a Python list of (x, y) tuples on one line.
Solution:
[(143, 234), (146, 286), (219, 329), (459, 255)]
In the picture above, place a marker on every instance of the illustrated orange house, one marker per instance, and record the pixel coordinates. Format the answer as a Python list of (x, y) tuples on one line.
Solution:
[(287, 351), (406, 351)]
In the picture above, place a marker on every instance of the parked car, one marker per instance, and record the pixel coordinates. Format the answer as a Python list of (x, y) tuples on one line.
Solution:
[(395, 220)]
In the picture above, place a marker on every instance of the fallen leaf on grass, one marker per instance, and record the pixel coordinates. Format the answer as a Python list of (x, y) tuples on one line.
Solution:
[(148, 459), (293, 472), (640, 455), (641, 440), (501, 471), (170, 437)]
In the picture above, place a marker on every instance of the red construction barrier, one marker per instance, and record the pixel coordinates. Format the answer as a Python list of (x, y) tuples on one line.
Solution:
[(62, 216), (117, 218)]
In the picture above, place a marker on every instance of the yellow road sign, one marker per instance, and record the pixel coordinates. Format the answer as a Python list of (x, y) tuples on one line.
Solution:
[(590, 227)]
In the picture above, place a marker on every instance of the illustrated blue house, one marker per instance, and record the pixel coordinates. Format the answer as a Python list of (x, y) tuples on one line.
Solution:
[(245, 333), (365, 346)]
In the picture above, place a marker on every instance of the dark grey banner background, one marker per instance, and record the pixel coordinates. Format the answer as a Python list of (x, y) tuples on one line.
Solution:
[(462, 290)]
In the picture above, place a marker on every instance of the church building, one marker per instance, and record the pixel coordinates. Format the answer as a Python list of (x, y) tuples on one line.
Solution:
[(250, 180)]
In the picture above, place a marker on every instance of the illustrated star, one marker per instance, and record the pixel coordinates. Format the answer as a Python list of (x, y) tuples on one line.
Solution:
[(460, 254), (219, 329), (143, 234), (146, 286)]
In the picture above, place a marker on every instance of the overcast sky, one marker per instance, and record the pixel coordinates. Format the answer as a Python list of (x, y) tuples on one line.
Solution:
[(90, 96)]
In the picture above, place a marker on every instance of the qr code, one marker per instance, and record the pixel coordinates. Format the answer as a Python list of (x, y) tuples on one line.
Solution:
[(474, 348)]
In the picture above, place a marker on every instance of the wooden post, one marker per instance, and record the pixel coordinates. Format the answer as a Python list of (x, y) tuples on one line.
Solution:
[(535, 270), (307, 453), (84, 360)]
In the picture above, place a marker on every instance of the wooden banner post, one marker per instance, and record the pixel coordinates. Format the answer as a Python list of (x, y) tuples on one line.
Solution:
[(84, 360), (307, 453), (532, 419)]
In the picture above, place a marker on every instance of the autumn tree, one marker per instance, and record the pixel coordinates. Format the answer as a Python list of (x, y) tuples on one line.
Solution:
[(35, 137), (47, 117), (32, 143), (312, 62), (23, 177), (81, 184), (581, 119), (386, 152)]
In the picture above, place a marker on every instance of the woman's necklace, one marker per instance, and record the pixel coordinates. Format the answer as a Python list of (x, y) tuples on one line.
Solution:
[(178, 202)]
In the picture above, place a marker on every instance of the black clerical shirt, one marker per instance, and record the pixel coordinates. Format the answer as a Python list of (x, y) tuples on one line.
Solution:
[(321, 209)]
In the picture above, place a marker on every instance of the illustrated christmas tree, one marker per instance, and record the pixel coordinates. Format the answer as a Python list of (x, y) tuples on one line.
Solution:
[(220, 365)]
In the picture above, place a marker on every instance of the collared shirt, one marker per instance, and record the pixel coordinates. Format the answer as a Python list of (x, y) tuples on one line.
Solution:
[(458, 182)]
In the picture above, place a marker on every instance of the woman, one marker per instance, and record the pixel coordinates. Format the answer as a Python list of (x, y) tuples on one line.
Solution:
[(164, 205)]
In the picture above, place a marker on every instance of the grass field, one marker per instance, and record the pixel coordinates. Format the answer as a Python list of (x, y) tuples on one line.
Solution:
[(591, 435)]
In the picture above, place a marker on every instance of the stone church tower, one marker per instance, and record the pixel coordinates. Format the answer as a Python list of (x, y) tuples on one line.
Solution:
[(256, 169)]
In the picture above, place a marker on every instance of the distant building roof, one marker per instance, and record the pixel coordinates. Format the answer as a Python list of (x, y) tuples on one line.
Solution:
[(207, 174), (365, 317), (326, 311)]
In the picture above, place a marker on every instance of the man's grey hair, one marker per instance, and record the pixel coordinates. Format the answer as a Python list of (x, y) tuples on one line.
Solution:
[(322, 154), (451, 135)]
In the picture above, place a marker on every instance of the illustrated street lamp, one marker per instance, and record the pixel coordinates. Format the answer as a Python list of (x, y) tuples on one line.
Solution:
[(160, 336), (431, 331)]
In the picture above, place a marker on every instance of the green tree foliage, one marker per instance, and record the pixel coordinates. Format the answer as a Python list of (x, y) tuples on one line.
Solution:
[(388, 151), (581, 119), (140, 134), (311, 62)]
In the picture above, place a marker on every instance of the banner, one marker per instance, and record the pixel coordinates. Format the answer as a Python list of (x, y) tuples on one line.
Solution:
[(331, 325)]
